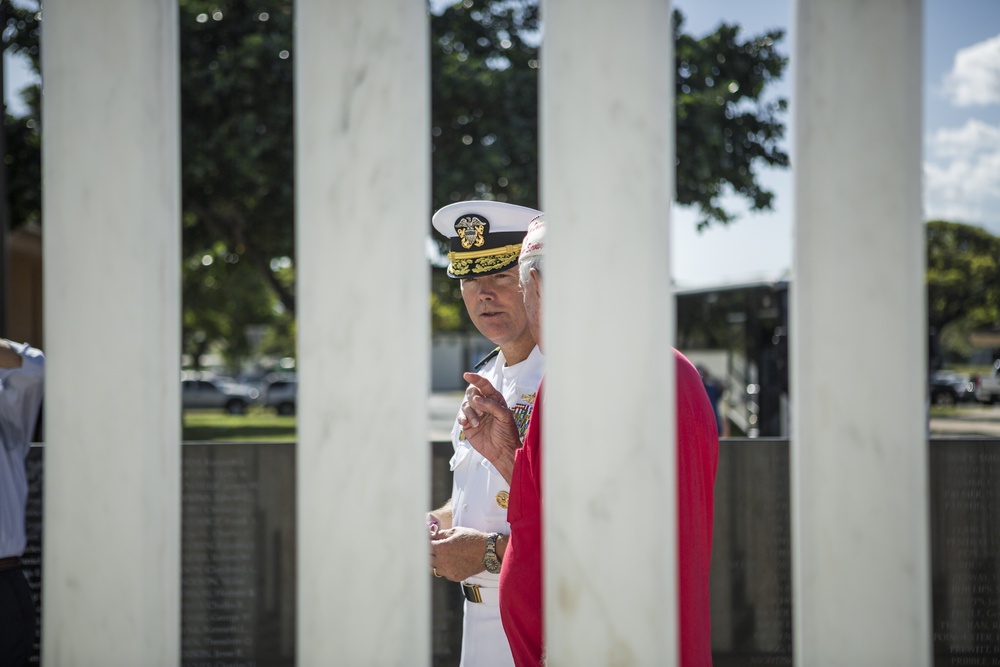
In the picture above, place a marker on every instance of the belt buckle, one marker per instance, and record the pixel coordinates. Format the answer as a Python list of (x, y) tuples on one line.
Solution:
[(472, 593)]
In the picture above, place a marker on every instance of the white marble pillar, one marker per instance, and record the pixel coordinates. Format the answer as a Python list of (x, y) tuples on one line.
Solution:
[(610, 479), (363, 211), (859, 454), (112, 310)]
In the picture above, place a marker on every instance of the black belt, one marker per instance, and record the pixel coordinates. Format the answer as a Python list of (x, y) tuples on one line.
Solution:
[(11, 563), (472, 593), (480, 594)]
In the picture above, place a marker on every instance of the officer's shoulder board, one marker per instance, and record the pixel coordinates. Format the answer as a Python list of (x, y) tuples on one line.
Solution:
[(486, 359)]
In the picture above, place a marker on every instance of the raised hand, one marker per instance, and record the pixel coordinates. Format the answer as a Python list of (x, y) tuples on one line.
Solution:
[(489, 424)]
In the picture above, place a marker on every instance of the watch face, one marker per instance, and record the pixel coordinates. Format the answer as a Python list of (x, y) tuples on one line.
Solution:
[(492, 564)]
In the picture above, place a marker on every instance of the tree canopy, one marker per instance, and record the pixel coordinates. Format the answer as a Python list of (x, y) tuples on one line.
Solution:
[(485, 58), (963, 282), (236, 75), (237, 188), (726, 125), (484, 118), (484, 102), (21, 27)]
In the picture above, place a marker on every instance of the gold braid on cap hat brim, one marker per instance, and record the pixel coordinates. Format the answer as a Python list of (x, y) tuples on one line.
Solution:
[(483, 261)]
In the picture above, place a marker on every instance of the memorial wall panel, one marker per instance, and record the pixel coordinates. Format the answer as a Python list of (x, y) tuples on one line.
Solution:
[(751, 555), (446, 597), (238, 554), (965, 551)]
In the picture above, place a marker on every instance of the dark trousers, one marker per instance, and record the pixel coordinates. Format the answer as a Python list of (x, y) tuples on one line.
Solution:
[(17, 619)]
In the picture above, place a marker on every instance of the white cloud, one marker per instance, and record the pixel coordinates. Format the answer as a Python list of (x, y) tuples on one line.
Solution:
[(975, 77), (962, 174), (972, 138)]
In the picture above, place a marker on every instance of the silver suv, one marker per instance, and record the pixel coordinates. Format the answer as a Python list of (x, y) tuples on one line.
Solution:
[(202, 392), (280, 395)]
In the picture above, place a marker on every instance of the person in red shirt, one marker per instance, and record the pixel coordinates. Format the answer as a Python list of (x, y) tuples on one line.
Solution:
[(490, 428)]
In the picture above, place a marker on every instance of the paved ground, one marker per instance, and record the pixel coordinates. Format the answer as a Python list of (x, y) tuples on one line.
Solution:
[(441, 410)]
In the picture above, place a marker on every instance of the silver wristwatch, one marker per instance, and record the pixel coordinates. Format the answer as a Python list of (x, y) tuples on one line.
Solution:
[(490, 561)]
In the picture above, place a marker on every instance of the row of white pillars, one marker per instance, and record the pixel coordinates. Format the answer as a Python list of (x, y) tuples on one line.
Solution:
[(609, 473), (363, 204), (112, 284), (861, 575), (112, 308)]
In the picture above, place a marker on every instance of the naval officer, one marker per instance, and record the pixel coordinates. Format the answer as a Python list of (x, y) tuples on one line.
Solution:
[(469, 533)]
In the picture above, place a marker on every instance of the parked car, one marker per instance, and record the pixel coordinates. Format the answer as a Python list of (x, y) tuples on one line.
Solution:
[(280, 395), (204, 392), (988, 387), (949, 388)]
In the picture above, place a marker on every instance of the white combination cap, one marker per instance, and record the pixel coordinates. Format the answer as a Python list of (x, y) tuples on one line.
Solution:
[(484, 236)]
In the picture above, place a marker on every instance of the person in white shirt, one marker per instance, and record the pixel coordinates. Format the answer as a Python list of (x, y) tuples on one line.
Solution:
[(21, 387), (469, 533)]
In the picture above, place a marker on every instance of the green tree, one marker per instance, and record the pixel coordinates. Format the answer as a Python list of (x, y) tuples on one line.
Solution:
[(22, 135), (963, 281), (484, 118), (484, 123), (237, 160), (223, 297), (484, 102), (726, 126), (237, 142)]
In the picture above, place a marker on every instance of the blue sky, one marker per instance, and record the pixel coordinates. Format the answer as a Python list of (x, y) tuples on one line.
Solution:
[(961, 137)]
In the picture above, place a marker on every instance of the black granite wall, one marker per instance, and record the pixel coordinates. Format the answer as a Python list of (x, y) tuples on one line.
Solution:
[(238, 554)]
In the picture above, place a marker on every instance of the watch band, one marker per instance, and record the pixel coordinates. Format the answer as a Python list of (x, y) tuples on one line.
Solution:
[(491, 561)]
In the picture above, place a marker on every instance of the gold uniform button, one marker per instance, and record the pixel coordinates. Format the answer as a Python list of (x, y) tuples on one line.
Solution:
[(502, 498)]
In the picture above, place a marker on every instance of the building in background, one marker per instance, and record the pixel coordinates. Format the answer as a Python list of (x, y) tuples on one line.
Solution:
[(739, 334), (24, 317)]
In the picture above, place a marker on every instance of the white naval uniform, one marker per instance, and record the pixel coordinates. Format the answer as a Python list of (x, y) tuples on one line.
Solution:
[(476, 490)]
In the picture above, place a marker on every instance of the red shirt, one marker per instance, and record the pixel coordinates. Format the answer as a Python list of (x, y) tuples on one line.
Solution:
[(521, 609), (521, 603), (697, 461)]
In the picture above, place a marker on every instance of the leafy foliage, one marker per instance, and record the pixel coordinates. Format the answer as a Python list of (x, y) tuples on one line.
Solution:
[(224, 297), (726, 126), (237, 142), (23, 162), (21, 31), (963, 280), (484, 110), (237, 183), (484, 61), (22, 135)]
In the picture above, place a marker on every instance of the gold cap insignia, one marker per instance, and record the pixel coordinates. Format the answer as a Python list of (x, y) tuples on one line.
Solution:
[(502, 498), (472, 231)]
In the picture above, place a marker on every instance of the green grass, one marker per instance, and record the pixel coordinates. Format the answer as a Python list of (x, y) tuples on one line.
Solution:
[(944, 411), (258, 425), (970, 410), (983, 370)]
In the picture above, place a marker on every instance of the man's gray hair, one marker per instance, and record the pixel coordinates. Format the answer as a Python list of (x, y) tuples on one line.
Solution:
[(532, 249), (525, 265)]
